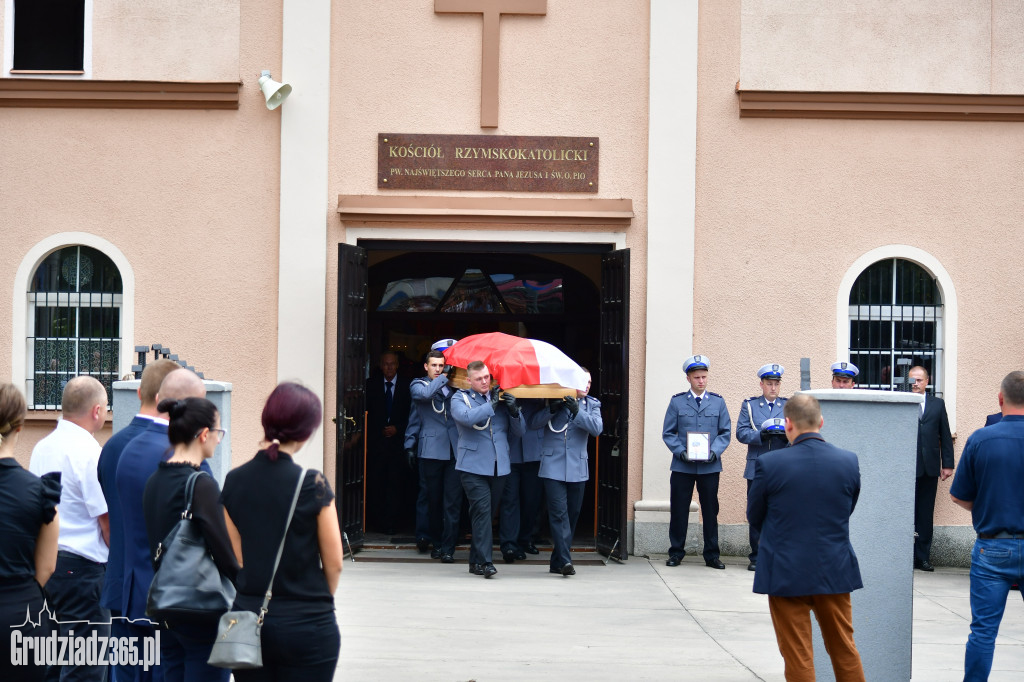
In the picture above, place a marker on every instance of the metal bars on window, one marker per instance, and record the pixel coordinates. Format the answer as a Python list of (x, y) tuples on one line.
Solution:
[(895, 324), (74, 324)]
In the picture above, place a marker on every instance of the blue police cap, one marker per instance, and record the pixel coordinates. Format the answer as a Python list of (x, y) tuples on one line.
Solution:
[(845, 369), (774, 425), (771, 371), (696, 362), (443, 344)]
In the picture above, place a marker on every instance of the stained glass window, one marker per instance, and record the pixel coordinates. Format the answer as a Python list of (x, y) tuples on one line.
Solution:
[(476, 291), (74, 308)]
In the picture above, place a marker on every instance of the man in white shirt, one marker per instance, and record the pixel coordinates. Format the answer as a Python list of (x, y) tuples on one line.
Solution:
[(74, 589)]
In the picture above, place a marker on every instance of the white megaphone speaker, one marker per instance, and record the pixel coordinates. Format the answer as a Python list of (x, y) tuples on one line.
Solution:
[(276, 93)]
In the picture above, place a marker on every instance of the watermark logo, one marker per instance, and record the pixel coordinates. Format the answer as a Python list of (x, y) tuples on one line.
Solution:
[(63, 647)]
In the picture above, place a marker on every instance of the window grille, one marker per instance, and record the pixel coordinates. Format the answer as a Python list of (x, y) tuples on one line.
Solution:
[(74, 323), (895, 324)]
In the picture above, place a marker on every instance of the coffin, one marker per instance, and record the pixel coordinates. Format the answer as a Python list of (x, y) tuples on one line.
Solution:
[(460, 380)]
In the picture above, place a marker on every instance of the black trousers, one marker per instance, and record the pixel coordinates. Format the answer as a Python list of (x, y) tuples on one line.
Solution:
[(74, 595), (15, 596), (681, 492), (480, 491), (508, 516), (444, 502), (924, 512), (297, 647), (753, 534), (564, 503), (531, 495)]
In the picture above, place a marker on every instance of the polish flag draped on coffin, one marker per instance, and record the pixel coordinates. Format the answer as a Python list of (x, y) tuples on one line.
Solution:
[(526, 367)]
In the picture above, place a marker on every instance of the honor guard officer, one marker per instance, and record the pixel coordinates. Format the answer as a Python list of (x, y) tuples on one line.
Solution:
[(843, 375), (697, 430), (436, 444), (567, 425), (485, 417), (757, 430)]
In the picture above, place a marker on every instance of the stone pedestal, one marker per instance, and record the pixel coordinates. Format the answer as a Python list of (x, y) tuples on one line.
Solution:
[(126, 406), (881, 427)]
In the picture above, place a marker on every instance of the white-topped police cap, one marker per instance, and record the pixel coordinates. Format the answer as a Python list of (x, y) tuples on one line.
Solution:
[(845, 369), (771, 371), (443, 344), (696, 362), (774, 425)]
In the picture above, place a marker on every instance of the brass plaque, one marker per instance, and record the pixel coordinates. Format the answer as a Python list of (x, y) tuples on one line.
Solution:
[(511, 163)]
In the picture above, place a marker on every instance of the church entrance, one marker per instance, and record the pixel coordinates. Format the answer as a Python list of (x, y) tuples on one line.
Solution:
[(401, 296)]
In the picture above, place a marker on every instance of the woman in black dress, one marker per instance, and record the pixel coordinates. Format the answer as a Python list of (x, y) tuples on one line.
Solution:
[(28, 544), (194, 432), (300, 633)]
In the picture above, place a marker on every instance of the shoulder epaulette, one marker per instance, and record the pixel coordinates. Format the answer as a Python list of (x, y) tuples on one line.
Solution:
[(715, 394), (680, 393)]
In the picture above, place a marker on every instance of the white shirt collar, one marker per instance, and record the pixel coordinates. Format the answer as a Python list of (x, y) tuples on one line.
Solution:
[(701, 396)]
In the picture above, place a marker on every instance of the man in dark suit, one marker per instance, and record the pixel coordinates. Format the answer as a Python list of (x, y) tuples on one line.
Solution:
[(139, 460), (113, 582), (934, 461), (389, 481), (801, 501)]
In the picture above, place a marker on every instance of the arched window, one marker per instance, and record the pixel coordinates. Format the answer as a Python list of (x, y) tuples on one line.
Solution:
[(896, 322), (74, 322)]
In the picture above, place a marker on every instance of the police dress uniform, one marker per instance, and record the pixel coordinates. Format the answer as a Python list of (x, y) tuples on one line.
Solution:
[(521, 495), (564, 470), (437, 438), (754, 412), (685, 413), (482, 460)]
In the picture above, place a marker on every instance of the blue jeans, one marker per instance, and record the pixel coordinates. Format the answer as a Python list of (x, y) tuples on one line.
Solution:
[(995, 565)]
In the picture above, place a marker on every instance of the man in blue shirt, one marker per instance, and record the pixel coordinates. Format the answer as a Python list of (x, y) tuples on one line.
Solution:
[(987, 483)]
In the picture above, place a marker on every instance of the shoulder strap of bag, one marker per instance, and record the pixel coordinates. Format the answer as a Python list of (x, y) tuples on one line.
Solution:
[(280, 548), (190, 486)]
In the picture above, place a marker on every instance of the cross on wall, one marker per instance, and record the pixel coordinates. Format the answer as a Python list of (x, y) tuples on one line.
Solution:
[(491, 11)]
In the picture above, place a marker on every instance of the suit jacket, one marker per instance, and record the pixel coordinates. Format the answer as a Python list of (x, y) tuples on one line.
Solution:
[(113, 580), (431, 426), (483, 434), (750, 432), (378, 417), (934, 441), (139, 460), (683, 415), (801, 501), (563, 454)]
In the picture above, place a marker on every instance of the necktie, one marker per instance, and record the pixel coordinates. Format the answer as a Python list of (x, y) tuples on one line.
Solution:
[(770, 406), (388, 400), (698, 399)]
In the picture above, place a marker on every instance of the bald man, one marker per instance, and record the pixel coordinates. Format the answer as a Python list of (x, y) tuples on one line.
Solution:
[(75, 587), (140, 458)]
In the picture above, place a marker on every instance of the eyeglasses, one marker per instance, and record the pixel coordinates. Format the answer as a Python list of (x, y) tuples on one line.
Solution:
[(220, 433)]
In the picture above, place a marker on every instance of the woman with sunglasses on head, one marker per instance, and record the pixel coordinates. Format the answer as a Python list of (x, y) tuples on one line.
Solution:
[(28, 542), (194, 432), (300, 637)]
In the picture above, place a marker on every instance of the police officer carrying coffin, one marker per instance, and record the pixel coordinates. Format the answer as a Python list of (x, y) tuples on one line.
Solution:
[(761, 426), (567, 425), (485, 417), (844, 375), (437, 438), (697, 430)]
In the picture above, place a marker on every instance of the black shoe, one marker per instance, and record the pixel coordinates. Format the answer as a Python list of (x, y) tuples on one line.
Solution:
[(530, 548), (476, 569), (674, 561), (752, 566), (713, 563), (520, 555), (435, 554), (422, 544), (488, 570), (552, 569), (924, 566), (509, 556), (447, 559), (568, 570)]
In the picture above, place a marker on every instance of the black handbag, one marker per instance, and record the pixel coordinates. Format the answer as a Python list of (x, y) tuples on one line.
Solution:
[(238, 645), (187, 585)]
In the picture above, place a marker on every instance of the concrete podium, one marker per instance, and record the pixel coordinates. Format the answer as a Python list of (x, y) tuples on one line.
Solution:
[(881, 427), (126, 406)]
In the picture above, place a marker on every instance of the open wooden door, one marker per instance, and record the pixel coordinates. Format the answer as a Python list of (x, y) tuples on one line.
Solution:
[(351, 399), (614, 395)]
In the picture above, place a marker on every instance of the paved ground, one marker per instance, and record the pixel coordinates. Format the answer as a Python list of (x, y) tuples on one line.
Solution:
[(638, 620)]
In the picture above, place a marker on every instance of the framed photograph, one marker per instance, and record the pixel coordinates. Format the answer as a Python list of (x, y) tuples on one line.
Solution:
[(698, 446)]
